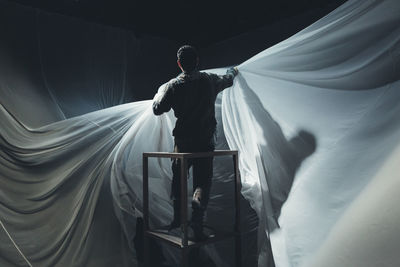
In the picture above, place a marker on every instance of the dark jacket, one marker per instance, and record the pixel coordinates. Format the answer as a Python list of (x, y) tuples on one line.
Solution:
[(192, 97)]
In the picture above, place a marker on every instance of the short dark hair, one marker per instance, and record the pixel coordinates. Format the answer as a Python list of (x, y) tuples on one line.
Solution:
[(187, 56)]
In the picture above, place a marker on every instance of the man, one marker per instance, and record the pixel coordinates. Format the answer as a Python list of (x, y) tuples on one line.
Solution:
[(192, 96)]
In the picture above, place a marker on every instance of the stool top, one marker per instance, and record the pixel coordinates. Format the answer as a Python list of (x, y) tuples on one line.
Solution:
[(190, 155)]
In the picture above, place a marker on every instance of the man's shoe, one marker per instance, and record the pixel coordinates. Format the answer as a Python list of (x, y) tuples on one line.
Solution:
[(174, 224), (198, 234), (196, 199)]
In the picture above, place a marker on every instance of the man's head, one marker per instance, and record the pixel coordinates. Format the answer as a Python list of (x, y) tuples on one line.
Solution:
[(187, 58)]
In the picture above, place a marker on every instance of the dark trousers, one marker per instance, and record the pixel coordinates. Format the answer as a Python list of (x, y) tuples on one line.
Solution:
[(202, 168)]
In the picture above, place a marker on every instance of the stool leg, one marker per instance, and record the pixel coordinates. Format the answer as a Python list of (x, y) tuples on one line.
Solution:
[(146, 210), (238, 250), (146, 251), (238, 243), (184, 260), (184, 209)]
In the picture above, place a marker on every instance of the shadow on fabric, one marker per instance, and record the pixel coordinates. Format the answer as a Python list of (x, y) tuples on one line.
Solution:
[(281, 158)]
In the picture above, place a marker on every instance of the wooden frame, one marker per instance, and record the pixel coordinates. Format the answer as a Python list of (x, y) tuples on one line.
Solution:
[(183, 243)]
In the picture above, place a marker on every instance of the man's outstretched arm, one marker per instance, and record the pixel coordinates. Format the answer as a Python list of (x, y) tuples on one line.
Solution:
[(162, 100), (224, 81)]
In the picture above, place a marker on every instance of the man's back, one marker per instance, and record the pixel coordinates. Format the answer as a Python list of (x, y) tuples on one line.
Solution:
[(192, 97)]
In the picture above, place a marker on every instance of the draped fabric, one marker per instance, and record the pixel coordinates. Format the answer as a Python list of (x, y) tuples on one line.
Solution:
[(335, 86), (315, 119)]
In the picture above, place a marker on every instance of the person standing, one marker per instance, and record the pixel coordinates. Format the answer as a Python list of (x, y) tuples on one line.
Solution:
[(192, 96)]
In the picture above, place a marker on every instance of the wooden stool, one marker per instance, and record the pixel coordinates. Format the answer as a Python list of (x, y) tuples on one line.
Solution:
[(183, 243)]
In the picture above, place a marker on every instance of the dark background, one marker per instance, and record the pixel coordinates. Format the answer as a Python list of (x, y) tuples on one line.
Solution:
[(199, 22)]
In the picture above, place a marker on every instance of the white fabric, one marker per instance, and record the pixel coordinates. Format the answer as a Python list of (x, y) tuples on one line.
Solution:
[(314, 118), (338, 80)]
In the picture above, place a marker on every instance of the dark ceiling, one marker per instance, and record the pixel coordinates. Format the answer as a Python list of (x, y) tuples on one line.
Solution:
[(199, 22)]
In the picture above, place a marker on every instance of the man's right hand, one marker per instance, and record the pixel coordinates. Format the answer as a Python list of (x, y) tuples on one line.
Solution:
[(236, 70), (233, 70)]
